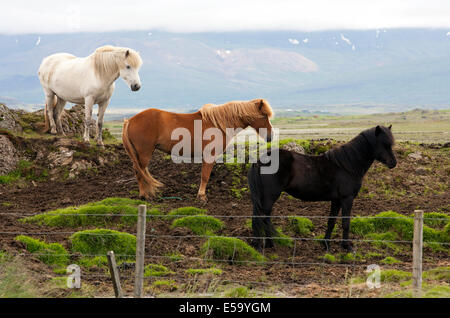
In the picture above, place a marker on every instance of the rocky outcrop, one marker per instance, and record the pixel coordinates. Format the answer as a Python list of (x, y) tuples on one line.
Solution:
[(293, 146), (61, 157), (9, 156), (9, 119), (72, 121)]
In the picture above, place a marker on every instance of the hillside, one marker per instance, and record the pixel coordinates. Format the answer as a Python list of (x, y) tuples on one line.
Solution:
[(336, 71)]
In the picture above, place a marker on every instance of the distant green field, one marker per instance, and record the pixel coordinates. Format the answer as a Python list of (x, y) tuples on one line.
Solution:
[(425, 126)]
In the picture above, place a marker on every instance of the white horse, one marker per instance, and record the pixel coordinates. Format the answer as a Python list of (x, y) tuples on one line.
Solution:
[(88, 80)]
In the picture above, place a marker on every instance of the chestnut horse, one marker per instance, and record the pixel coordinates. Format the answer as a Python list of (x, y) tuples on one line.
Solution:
[(152, 129)]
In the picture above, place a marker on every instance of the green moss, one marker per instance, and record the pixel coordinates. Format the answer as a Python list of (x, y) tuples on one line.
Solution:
[(390, 260), (301, 225), (25, 170), (185, 211), (156, 270), (100, 241), (282, 239), (401, 226), (100, 213), (170, 285), (230, 249), (49, 253), (200, 224), (175, 256), (438, 219), (393, 275), (202, 271), (329, 258)]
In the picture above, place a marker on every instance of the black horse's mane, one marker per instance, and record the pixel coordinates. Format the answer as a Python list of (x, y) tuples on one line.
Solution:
[(356, 156)]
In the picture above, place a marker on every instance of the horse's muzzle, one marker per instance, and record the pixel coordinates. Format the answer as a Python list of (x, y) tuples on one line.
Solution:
[(135, 87)]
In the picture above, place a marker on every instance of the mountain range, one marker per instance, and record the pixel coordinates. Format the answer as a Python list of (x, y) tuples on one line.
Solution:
[(341, 71)]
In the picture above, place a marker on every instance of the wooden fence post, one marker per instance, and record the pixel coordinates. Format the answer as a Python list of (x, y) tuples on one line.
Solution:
[(140, 252), (417, 253), (114, 274)]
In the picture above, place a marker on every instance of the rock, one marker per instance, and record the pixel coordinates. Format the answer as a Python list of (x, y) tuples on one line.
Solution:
[(62, 157), (79, 166), (415, 156), (234, 205), (421, 171), (72, 121), (293, 146), (9, 119), (9, 156)]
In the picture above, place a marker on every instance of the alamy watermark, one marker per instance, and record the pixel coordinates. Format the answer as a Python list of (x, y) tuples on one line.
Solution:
[(213, 145)]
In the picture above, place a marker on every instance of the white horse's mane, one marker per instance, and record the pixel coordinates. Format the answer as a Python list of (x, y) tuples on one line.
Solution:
[(110, 59)]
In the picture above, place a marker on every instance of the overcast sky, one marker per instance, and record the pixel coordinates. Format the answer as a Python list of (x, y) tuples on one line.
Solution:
[(56, 16)]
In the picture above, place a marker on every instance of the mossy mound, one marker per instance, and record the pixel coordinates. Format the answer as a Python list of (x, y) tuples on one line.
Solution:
[(436, 219), (439, 273), (301, 225), (49, 253), (185, 211), (282, 239), (230, 249), (100, 241), (156, 270), (399, 226), (199, 224), (101, 213)]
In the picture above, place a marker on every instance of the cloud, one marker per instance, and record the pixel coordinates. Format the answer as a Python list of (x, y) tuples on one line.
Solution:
[(53, 16)]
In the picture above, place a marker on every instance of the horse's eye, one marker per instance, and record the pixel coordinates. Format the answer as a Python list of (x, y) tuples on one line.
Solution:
[(128, 66)]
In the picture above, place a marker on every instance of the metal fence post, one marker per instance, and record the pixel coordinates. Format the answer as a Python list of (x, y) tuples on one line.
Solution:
[(417, 253), (140, 251)]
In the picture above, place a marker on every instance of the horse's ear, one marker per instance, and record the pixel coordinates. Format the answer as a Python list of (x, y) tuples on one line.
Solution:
[(377, 131), (390, 126), (127, 53)]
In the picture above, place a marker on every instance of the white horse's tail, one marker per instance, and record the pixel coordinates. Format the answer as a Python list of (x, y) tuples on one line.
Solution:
[(47, 122)]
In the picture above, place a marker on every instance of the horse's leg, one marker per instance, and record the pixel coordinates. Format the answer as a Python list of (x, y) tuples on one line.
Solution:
[(144, 159), (347, 204), (50, 100), (58, 113), (206, 172), (335, 207), (101, 111), (258, 230), (88, 104)]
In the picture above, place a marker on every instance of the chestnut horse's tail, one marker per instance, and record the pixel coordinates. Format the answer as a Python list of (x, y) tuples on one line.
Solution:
[(46, 121), (147, 184)]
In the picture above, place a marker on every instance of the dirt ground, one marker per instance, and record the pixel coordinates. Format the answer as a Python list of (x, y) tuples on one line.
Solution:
[(301, 271)]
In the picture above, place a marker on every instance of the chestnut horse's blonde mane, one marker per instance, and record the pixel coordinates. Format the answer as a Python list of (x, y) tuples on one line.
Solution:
[(235, 114), (110, 59)]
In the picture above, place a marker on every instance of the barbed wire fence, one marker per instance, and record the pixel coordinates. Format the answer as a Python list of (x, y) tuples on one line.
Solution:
[(122, 271)]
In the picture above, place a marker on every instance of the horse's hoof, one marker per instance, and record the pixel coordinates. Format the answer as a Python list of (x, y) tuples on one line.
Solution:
[(202, 198), (53, 132), (348, 246), (101, 146)]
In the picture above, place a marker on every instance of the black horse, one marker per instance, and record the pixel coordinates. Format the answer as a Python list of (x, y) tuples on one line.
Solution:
[(334, 176)]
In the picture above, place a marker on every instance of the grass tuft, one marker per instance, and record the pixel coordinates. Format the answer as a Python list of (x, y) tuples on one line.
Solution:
[(100, 241), (301, 225), (230, 249), (49, 253), (199, 224)]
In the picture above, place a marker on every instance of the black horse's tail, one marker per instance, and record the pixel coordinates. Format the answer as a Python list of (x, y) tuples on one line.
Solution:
[(256, 188)]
